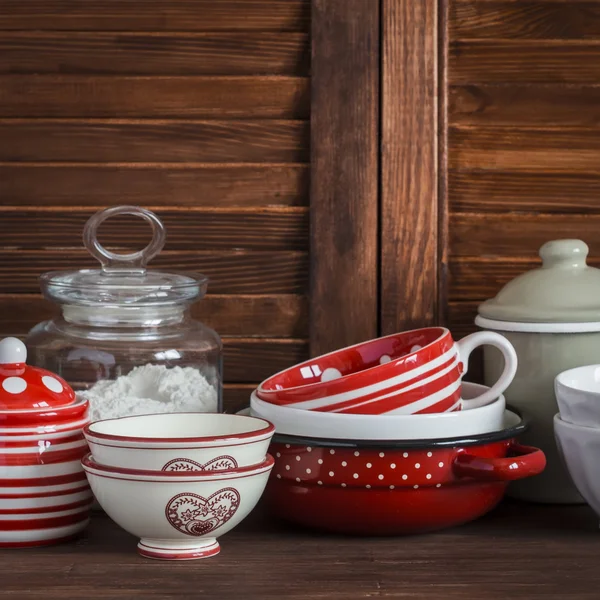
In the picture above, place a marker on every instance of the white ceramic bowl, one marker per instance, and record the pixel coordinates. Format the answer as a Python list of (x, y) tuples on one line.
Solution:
[(578, 395), (307, 423), (180, 441), (177, 516), (579, 448)]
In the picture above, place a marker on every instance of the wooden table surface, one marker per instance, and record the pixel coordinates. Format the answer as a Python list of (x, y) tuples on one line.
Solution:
[(519, 551)]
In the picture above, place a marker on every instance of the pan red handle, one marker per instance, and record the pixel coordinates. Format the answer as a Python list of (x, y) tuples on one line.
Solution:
[(525, 462)]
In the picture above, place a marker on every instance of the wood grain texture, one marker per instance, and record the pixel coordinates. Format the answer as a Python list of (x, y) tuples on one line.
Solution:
[(201, 229), (525, 105), (236, 396), (524, 61), (140, 96), (261, 316), (156, 15), (153, 53), (461, 317), (344, 172), (119, 140), (525, 19), (566, 150), (549, 552), (443, 190), (193, 185), (493, 191), (229, 271), (518, 234), (254, 359), (409, 210), (477, 278)]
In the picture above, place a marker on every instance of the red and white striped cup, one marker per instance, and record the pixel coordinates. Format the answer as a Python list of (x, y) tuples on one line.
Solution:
[(391, 375)]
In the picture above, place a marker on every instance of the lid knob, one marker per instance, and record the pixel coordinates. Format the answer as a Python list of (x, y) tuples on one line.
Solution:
[(134, 262), (12, 351), (564, 254)]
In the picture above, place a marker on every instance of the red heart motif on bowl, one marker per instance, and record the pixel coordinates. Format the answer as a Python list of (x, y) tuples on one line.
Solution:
[(194, 515), (216, 464)]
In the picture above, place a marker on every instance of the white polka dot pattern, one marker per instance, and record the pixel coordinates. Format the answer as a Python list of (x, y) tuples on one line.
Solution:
[(366, 468), (330, 374), (52, 384), (14, 385)]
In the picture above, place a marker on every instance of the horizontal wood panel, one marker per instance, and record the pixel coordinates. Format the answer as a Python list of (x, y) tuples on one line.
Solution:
[(525, 105), (261, 229), (523, 61), (491, 191), (156, 15), (23, 184), (527, 19), (229, 272), (461, 317), (118, 140), (475, 278), (518, 234), (140, 96), (236, 396), (525, 149), (155, 53), (255, 359), (263, 316)]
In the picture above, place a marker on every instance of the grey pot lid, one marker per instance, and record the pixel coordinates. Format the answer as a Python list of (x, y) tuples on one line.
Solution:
[(563, 290)]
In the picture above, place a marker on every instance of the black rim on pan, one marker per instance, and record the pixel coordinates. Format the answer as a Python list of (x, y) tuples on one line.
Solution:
[(469, 440)]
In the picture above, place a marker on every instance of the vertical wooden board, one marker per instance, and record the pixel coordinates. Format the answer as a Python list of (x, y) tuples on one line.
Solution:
[(409, 195), (344, 172)]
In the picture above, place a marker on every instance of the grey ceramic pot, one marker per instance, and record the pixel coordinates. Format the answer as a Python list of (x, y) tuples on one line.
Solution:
[(551, 316)]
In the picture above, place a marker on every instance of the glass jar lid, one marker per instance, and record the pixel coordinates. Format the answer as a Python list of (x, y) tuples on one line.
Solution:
[(563, 290), (123, 279), (26, 388)]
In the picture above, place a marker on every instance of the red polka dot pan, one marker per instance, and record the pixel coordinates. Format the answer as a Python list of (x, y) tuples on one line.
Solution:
[(387, 488)]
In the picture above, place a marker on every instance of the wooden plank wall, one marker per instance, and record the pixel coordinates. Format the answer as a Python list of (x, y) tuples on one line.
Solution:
[(195, 109), (523, 140)]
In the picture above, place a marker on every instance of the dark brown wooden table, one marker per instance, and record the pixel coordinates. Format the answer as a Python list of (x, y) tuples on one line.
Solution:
[(519, 551)]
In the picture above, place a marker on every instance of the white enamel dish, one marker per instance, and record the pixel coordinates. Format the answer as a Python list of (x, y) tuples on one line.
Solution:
[(306, 423)]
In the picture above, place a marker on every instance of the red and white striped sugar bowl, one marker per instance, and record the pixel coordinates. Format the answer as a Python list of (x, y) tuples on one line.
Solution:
[(44, 494)]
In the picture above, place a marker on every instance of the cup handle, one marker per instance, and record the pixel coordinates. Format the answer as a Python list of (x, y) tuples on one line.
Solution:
[(482, 338), (526, 462)]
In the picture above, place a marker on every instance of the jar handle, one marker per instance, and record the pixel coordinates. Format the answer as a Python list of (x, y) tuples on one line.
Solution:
[(135, 262)]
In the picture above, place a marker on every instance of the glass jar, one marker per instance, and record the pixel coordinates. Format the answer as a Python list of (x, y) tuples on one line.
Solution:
[(125, 339)]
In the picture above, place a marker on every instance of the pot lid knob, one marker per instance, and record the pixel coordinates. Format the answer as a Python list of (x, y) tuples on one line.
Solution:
[(566, 254), (12, 351), (26, 388)]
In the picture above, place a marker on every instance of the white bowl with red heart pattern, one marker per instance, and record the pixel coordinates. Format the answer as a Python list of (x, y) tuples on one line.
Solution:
[(177, 516), (180, 442)]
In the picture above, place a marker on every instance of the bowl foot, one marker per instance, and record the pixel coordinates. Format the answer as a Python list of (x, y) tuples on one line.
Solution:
[(165, 550)]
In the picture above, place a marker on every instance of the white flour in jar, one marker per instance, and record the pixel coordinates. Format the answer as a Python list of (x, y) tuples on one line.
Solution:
[(151, 389)]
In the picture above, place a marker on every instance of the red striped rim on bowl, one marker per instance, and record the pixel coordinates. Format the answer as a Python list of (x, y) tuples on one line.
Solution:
[(267, 430), (95, 468)]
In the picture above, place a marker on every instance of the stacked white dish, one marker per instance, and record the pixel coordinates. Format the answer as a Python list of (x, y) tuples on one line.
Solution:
[(577, 429)]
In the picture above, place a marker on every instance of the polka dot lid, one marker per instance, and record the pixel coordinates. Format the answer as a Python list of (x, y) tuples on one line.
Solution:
[(25, 388)]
